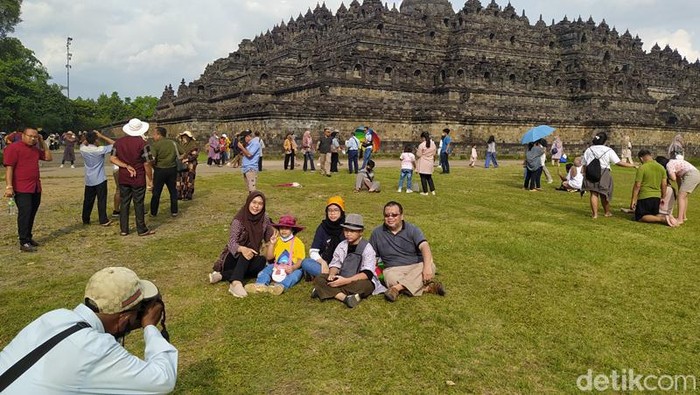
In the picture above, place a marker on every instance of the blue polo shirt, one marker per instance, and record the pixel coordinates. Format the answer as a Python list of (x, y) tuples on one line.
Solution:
[(251, 164), (445, 144), (399, 249), (94, 158)]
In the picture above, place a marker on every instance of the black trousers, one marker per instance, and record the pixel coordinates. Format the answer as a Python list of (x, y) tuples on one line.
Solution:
[(161, 177), (137, 194), (335, 158), (98, 191), (426, 180), (289, 160), (352, 161), (260, 163), (27, 206), (238, 268)]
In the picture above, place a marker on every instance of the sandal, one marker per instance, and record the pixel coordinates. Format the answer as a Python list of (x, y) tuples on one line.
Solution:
[(148, 233), (123, 233)]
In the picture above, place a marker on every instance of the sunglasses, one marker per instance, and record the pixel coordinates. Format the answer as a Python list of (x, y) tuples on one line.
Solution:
[(391, 215)]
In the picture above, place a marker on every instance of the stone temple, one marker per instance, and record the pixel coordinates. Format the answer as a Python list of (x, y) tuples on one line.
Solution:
[(483, 70)]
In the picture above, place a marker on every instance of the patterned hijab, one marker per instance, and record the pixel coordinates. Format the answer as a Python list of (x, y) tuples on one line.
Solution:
[(252, 224)]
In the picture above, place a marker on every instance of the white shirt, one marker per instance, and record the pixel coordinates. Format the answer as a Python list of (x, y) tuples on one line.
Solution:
[(606, 155), (90, 360)]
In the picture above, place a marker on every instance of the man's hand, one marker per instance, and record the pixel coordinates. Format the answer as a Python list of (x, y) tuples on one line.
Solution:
[(131, 170), (338, 281), (153, 314), (427, 273), (9, 191)]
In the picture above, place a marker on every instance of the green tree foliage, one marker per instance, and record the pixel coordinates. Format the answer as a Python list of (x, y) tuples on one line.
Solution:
[(9, 16)]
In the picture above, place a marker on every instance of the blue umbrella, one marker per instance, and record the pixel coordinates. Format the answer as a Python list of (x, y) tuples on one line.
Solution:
[(536, 133)]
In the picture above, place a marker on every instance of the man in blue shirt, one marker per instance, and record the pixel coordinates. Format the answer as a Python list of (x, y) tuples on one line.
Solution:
[(352, 145), (445, 151), (95, 178), (250, 149)]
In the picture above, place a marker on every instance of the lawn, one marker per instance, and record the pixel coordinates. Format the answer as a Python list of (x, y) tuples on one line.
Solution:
[(538, 292)]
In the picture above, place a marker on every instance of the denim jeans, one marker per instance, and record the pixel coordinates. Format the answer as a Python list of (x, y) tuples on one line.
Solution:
[(352, 161), (265, 277), (406, 174), (311, 267), (309, 157), (491, 157), (445, 162), (367, 157)]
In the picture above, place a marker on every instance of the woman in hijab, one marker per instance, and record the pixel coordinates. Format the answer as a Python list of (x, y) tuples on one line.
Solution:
[(245, 255), (328, 235)]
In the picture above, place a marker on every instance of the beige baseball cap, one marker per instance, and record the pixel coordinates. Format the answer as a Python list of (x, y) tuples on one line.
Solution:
[(117, 289)]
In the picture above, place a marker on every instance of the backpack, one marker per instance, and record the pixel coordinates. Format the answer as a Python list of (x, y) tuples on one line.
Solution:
[(593, 169)]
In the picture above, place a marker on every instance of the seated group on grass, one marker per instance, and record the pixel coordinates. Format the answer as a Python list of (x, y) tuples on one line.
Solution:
[(341, 263)]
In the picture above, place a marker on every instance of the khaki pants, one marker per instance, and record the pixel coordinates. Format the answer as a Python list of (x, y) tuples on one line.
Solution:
[(251, 179), (410, 276), (325, 162)]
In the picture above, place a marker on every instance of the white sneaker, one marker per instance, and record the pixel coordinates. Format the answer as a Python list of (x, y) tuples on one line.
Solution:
[(214, 277), (409, 191), (433, 193), (60, 167), (72, 166), (236, 289), (399, 190), (424, 193)]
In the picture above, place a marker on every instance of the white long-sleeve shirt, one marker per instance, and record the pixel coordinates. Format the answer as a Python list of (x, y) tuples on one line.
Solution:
[(90, 360)]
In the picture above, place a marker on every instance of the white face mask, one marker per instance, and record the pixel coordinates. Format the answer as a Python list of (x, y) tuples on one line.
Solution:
[(286, 239)]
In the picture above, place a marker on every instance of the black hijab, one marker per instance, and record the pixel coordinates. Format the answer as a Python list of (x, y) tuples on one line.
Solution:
[(334, 232)]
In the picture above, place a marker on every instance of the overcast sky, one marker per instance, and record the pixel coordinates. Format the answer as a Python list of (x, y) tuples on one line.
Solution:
[(137, 47)]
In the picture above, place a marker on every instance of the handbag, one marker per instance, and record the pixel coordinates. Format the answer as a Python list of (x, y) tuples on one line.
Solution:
[(179, 164)]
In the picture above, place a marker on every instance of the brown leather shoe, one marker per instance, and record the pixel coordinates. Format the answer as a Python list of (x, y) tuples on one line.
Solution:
[(391, 295), (435, 287)]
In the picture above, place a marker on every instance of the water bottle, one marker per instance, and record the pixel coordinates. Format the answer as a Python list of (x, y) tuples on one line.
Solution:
[(11, 206)]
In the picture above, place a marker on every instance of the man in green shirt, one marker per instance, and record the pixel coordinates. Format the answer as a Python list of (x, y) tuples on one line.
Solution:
[(164, 152), (649, 188)]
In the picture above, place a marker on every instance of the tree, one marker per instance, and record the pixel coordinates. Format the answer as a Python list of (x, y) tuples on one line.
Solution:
[(9, 16), (143, 107)]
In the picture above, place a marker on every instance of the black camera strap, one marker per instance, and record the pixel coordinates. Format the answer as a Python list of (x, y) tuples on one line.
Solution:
[(21, 366)]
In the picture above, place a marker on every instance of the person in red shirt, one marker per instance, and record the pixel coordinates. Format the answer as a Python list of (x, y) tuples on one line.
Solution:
[(23, 183), (131, 153)]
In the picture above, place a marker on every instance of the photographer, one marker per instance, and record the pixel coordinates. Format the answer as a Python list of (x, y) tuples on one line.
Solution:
[(85, 355)]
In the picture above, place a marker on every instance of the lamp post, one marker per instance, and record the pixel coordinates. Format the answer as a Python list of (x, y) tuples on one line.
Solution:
[(68, 57)]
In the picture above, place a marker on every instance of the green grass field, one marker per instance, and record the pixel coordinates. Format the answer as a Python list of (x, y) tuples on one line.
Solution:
[(538, 292)]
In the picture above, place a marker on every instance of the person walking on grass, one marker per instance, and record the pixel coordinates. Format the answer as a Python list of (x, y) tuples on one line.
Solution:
[(491, 152), (95, 177), (424, 164), (533, 166), (408, 164), (649, 189), (69, 140), (251, 151), (408, 261), (473, 157), (185, 179), (164, 152), (23, 183), (557, 151), (601, 190), (353, 148), (131, 153), (351, 276)]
